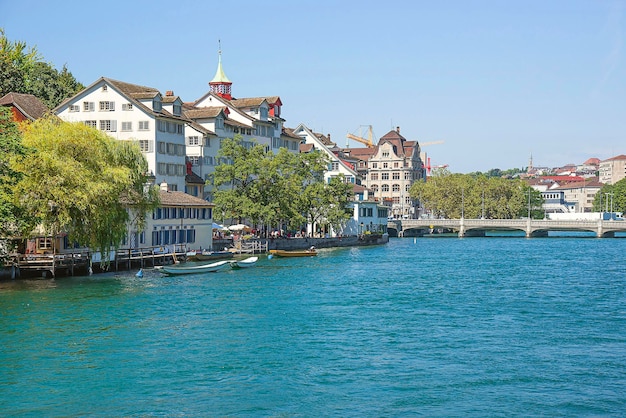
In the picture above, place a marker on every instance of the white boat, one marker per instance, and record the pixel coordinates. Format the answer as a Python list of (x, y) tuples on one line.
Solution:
[(198, 268), (245, 263)]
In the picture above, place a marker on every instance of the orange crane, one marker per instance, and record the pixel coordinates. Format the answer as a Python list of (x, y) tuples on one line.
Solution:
[(359, 138)]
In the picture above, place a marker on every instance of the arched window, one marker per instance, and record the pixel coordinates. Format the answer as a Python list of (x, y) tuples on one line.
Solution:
[(385, 188)]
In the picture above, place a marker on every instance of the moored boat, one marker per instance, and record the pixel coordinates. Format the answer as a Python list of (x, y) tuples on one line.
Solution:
[(245, 263), (198, 268), (213, 255), (294, 253)]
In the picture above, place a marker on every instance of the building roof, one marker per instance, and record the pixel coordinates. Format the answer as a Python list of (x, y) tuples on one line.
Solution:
[(134, 92), (220, 76), (305, 148), (169, 198), (29, 105), (247, 102), (193, 178), (592, 161), (619, 157), (590, 183), (203, 112), (401, 145)]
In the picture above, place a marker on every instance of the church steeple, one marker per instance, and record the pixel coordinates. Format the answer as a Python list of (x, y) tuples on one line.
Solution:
[(220, 84)]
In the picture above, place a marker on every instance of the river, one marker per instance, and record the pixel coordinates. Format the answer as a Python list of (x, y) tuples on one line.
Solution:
[(502, 326)]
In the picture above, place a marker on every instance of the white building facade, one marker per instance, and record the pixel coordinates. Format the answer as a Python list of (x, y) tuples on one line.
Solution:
[(130, 112)]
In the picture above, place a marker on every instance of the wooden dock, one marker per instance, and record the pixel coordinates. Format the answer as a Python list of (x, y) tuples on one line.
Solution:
[(80, 262)]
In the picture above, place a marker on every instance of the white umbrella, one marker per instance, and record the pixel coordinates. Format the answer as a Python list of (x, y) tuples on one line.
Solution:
[(239, 227)]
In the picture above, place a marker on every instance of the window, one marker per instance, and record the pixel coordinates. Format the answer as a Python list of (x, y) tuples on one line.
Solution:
[(335, 166), (91, 123), (127, 126), (105, 88), (395, 165), (161, 147), (385, 154), (374, 165), (108, 125), (385, 165), (194, 160), (144, 125), (144, 145), (193, 140), (107, 106), (180, 129), (219, 123), (384, 188), (396, 175), (162, 126), (407, 176), (374, 176), (127, 106), (385, 176), (156, 105), (171, 148), (395, 188), (74, 108), (177, 109), (89, 106)]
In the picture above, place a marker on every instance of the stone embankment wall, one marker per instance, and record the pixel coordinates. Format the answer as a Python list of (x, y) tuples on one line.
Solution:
[(305, 243)]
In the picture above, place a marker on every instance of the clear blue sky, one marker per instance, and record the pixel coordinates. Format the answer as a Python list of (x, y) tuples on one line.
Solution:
[(496, 80)]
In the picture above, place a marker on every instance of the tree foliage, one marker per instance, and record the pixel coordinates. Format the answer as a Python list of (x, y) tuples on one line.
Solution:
[(78, 180), (279, 188), (11, 219), (475, 196), (611, 195), (22, 70)]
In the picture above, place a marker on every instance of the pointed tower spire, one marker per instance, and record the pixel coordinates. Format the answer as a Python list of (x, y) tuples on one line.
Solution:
[(220, 84)]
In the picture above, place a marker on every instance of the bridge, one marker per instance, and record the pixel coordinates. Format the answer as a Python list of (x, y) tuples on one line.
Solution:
[(532, 227)]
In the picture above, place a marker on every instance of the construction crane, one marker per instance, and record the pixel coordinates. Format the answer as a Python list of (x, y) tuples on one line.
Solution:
[(429, 167), (425, 144), (359, 138)]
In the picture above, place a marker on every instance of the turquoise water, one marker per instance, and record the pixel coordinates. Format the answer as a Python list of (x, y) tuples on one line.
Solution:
[(432, 327)]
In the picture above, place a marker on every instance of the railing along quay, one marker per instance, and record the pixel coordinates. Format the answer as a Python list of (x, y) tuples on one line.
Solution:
[(532, 227)]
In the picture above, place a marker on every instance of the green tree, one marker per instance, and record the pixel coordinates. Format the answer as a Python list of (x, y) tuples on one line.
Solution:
[(11, 218), (274, 189), (611, 193), (22, 70), (80, 181), (476, 196)]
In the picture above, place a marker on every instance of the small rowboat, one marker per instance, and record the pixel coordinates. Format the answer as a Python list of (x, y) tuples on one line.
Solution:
[(294, 253), (199, 268), (245, 263)]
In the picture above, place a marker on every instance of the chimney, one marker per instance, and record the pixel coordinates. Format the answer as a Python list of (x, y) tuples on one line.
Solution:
[(163, 187), (169, 93), (328, 137), (397, 129)]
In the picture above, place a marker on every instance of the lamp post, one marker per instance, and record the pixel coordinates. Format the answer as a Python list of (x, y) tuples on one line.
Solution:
[(483, 206), (462, 203)]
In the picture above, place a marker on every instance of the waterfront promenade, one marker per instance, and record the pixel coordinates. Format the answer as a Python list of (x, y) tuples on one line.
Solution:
[(532, 227)]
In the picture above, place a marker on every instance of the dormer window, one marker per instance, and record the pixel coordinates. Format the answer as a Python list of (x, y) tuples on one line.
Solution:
[(156, 105), (263, 113), (177, 109)]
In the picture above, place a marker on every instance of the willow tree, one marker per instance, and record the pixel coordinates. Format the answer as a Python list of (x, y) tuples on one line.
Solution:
[(80, 181)]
